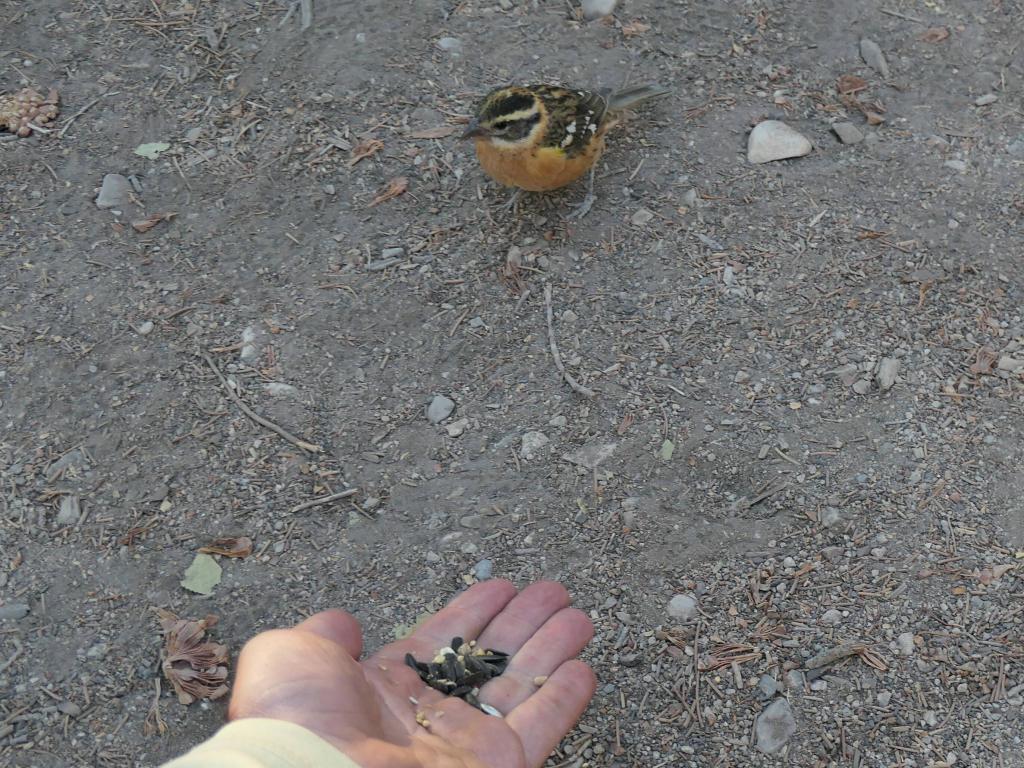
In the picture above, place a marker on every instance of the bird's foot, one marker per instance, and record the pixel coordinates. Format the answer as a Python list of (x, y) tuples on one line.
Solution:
[(513, 202), (581, 210)]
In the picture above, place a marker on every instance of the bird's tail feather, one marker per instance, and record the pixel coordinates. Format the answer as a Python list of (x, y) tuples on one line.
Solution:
[(637, 94)]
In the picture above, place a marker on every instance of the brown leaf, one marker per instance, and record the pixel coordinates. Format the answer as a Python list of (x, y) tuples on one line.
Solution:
[(873, 118), (634, 28), (196, 668), (934, 35), (146, 224), (987, 575), (364, 150), (848, 84), (984, 361), (395, 187), (437, 132), (229, 547)]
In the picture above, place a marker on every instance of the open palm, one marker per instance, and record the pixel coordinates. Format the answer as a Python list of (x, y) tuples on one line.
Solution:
[(310, 675)]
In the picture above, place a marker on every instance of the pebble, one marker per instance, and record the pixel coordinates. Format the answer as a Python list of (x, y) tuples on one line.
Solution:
[(862, 386), (884, 698), (873, 57), (642, 217), (13, 611), (450, 44), (468, 548), (456, 428), (146, 328), (280, 389), (483, 570), (819, 685), (531, 443), (984, 101), (440, 408), (70, 511), (682, 607), (433, 557), (905, 642), (848, 133), (590, 455), (558, 421), (832, 617), (1011, 364), (98, 651), (775, 725), (831, 517), (1016, 147), (774, 140), (956, 165), (886, 375), (768, 686), (470, 521), (596, 9), (795, 680), (115, 192)]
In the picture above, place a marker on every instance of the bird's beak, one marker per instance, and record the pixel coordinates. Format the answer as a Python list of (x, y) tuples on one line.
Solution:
[(473, 129)]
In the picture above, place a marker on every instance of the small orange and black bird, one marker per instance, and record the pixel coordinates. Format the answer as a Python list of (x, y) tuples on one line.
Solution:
[(542, 137)]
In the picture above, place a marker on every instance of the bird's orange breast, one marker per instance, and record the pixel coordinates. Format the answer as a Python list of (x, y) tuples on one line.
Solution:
[(535, 169)]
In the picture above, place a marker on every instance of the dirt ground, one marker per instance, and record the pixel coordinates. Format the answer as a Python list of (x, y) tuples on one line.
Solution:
[(808, 407)]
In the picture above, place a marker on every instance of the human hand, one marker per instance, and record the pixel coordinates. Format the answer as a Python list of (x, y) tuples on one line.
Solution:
[(310, 675)]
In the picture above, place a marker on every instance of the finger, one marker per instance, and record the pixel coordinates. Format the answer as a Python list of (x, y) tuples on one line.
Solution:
[(337, 626), (524, 616), (471, 731), (465, 616), (544, 718), (561, 638)]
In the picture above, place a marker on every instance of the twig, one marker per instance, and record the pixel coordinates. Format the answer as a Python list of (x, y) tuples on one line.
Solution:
[(301, 444), (79, 113), (575, 385), (324, 500), (306, 15), (899, 15)]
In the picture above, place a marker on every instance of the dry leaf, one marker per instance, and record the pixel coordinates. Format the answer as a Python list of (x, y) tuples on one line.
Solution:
[(848, 84), (934, 35), (229, 547), (365, 149), (196, 668), (873, 118), (438, 132), (984, 361), (634, 28), (987, 575), (146, 224), (395, 187)]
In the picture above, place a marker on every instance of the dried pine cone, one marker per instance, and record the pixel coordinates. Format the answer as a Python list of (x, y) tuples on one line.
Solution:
[(21, 111)]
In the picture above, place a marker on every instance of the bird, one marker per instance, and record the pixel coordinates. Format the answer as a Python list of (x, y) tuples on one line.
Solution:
[(542, 137)]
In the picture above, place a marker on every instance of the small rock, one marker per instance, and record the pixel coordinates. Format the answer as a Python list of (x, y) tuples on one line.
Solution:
[(115, 192), (1011, 364), (931, 719), (831, 517), (392, 253), (873, 57), (569, 316), (483, 570), (450, 44), (70, 510), (13, 611), (146, 328), (69, 708), (440, 408), (862, 386), (471, 521), (433, 557), (630, 659), (775, 725), (682, 607), (690, 197), (905, 643), (984, 101), (774, 140), (848, 133), (819, 685), (590, 455), (741, 377), (956, 165), (279, 389), (642, 217), (468, 548), (833, 554), (795, 680), (596, 9), (531, 443), (456, 428), (1016, 147), (558, 421), (886, 374), (98, 651), (884, 698), (768, 686), (832, 617), (249, 351)]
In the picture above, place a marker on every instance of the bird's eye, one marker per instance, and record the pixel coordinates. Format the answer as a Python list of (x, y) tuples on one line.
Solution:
[(501, 125)]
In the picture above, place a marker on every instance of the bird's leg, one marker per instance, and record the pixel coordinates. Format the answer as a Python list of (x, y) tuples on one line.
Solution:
[(583, 208), (512, 201)]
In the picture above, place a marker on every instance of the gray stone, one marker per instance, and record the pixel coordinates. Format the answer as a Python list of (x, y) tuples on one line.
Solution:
[(115, 192), (279, 389), (642, 217), (884, 698), (886, 374), (768, 686), (1010, 364), (70, 510), (1016, 147), (682, 607), (13, 611), (483, 570), (146, 328), (795, 680), (450, 44), (848, 133), (440, 408), (905, 643), (590, 455), (873, 57), (775, 726), (596, 9), (832, 617), (956, 165), (831, 517), (531, 444), (456, 428), (774, 140), (985, 100)]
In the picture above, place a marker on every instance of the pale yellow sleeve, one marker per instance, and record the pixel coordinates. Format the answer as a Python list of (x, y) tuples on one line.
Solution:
[(263, 743)]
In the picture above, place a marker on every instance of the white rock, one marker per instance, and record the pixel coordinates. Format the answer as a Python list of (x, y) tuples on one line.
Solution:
[(450, 44), (1011, 364), (873, 57), (886, 375), (590, 455), (70, 510), (115, 192), (595, 9), (848, 133), (884, 698), (456, 428), (280, 389), (984, 101), (831, 517), (775, 726), (642, 217), (832, 617), (146, 328), (682, 607), (531, 443), (774, 140), (905, 642), (440, 408), (956, 165)]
